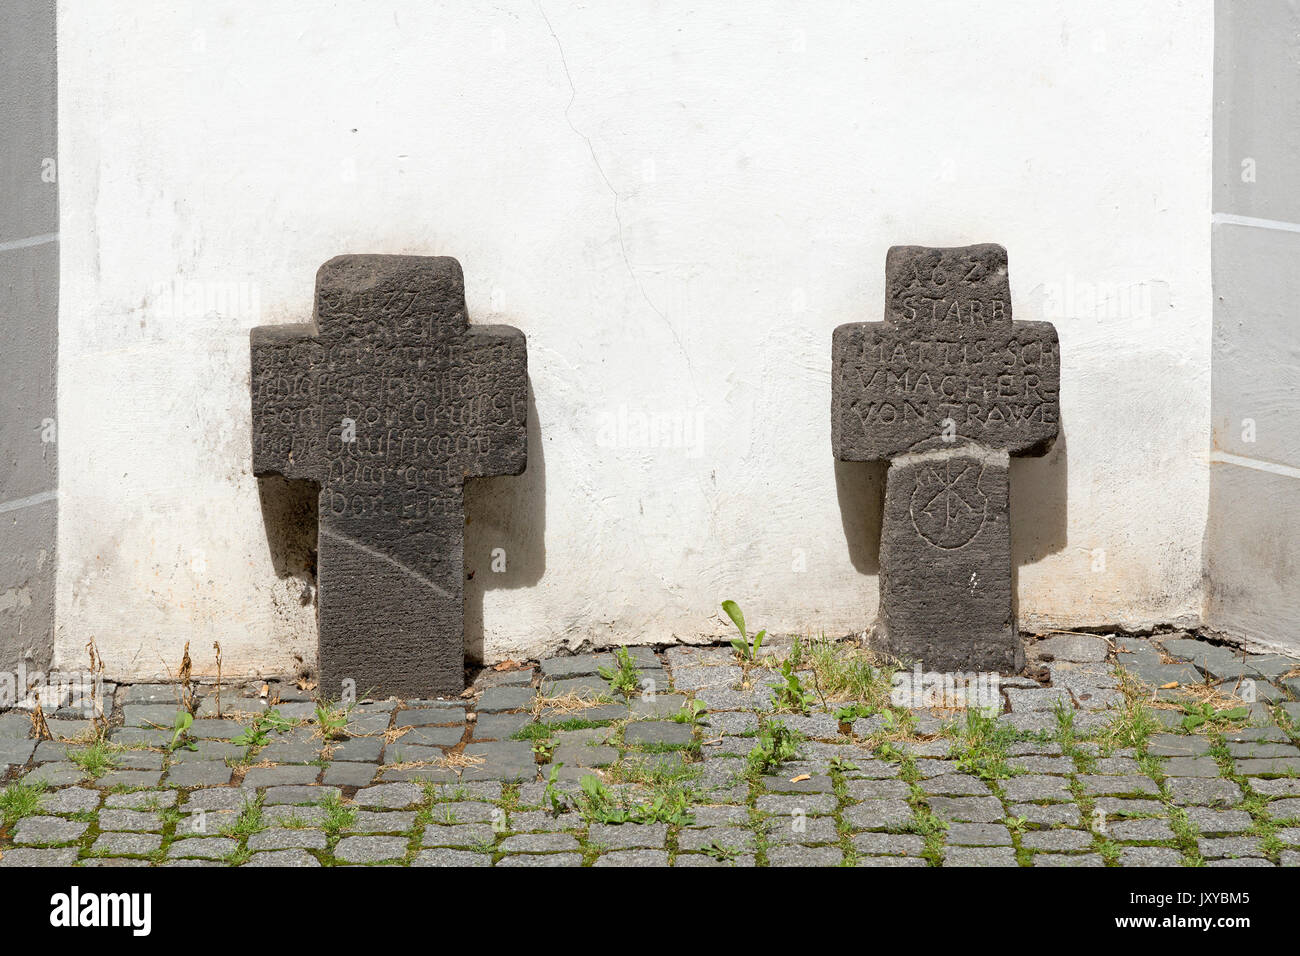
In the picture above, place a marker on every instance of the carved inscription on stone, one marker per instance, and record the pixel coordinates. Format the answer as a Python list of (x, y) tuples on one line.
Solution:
[(946, 388), (390, 401), (947, 360)]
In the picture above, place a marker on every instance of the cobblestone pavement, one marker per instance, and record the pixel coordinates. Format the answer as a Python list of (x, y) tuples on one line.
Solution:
[(1092, 764)]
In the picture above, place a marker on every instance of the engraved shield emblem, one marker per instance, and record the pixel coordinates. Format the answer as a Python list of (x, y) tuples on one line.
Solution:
[(947, 508)]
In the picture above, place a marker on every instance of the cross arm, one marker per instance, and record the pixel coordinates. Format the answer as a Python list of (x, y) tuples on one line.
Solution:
[(892, 389), (286, 405), (497, 356)]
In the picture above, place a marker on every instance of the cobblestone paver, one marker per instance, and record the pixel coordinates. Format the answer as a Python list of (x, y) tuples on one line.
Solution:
[(1162, 750)]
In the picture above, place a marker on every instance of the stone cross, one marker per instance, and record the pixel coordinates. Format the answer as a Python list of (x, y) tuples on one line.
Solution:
[(389, 400), (946, 389)]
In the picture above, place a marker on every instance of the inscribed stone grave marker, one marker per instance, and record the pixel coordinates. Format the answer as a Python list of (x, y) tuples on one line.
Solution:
[(389, 401), (946, 390)]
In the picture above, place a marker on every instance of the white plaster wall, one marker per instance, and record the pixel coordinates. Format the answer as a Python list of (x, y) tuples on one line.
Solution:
[(677, 202)]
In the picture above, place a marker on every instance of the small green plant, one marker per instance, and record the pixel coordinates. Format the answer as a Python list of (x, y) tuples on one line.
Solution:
[(249, 820), (1066, 735), (841, 765), (925, 822), (693, 712), (888, 750), (624, 677), (981, 748), (791, 695), (180, 727), (1134, 724), (1016, 824), (552, 794), (532, 732), (543, 750), (96, 759), (856, 711), (257, 733), (331, 720), (274, 720), (338, 816), (775, 744), (746, 648), (20, 800), (1199, 714), (599, 805), (931, 828), (723, 854)]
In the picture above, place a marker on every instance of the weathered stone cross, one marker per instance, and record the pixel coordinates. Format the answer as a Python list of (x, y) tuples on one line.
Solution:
[(946, 389), (390, 400)]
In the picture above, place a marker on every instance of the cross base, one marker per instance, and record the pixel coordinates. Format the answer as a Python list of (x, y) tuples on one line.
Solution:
[(386, 622), (947, 597)]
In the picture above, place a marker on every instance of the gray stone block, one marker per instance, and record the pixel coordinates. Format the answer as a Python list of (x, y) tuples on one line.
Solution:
[(1212, 848), (73, 800), (1049, 816), (126, 844), (1203, 791), (283, 858), (978, 834), (946, 588), (359, 749), (206, 773), (432, 390), (393, 796), (1073, 647), (657, 732), (429, 716), (538, 843), (628, 835), (1175, 745), (39, 831), (633, 858), (16, 751), (879, 814), (542, 860), (1140, 831), (370, 849), (1117, 785), (204, 848), (345, 774), (129, 820), (450, 858), (805, 856), (257, 777), (497, 699), (299, 795), (1056, 840), (287, 839), (1068, 859), (967, 809), (979, 856), (24, 857), (735, 839), (498, 726)]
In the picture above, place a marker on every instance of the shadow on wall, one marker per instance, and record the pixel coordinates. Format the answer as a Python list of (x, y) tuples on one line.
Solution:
[(290, 509), (1039, 505), (860, 488), (505, 533)]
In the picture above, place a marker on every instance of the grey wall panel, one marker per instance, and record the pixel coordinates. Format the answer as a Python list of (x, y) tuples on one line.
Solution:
[(1252, 541), (29, 288)]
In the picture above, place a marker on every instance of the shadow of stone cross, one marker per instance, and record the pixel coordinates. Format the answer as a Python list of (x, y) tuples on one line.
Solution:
[(389, 400), (946, 389)]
